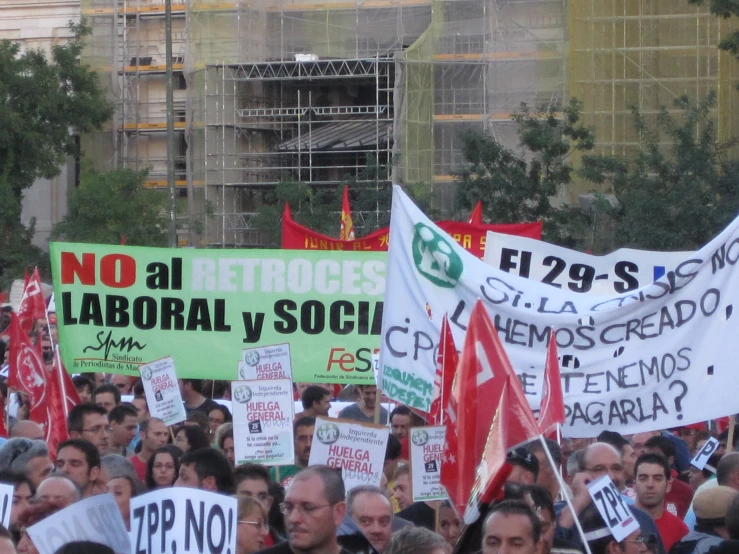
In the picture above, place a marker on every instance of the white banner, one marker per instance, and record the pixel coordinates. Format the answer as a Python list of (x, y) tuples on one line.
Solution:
[(162, 391), (653, 358), (358, 449), (266, 362), (95, 519), (263, 421), (427, 448), (183, 521), (621, 271)]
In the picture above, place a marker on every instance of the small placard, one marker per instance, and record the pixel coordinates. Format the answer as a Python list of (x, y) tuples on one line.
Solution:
[(266, 362), (6, 502), (614, 511), (162, 391), (701, 458), (427, 448)]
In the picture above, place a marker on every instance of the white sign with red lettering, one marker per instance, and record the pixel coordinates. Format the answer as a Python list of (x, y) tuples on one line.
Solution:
[(266, 362), (162, 391), (358, 449), (614, 511), (427, 447), (263, 421)]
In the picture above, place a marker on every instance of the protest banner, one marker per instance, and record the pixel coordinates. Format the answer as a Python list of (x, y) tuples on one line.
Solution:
[(620, 271), (121, 307), (183, 521), (6, 503), (95, 519), (614, 511), (427, 448), (263, 421), (470, 236), (162, 391), (357, 448), (266, 362), (701, 458), (657, 357)]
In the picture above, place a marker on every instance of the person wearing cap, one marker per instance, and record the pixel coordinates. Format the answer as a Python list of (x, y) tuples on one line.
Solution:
[(601, 541), (525, 467), (711, 507)]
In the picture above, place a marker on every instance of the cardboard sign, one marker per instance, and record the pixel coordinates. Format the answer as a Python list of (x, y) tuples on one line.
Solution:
[(427, 448), (162, 391), (621, 271), (358, 449), (263, 421), (183, 521), (95, 519), (6, 503), (701, 458), (266, 362), (614, 511)]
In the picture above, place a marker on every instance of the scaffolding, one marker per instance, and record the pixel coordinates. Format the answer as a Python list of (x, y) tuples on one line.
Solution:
[(274, 90)]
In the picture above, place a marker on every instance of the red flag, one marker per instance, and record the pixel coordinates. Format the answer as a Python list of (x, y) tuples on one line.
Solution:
[(287, 215), (346, 232), (27, 373), (446, 366), (552, 410), (62, 398), (32, 305), (476, 215)]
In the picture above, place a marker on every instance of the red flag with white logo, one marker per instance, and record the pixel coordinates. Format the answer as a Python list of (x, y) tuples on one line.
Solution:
[(552, 410), (62, 398), (27, 372), (476, 215), (446, 366), (32, 305)]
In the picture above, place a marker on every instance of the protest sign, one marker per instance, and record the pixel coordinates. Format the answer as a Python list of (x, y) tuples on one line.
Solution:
[(6, 503), (614, 511), (121, 307), (427, 448), (266, 362), (357, 448), (642, 360), (162, 391), (263, 421), (183, 521), (95, 519), (620, 271), (701, 458)]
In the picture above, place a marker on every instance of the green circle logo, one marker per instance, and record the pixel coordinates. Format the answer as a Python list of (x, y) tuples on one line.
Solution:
[(419, 437), (327, 433), (435, 258), (242, 394)]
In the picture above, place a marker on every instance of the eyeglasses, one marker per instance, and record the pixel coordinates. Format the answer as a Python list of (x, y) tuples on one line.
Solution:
[(605, 469), (98, 429), (308, 509), (650, 540), (121, 385), (259, 524)]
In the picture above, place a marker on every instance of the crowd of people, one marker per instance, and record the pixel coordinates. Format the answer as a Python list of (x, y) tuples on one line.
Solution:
[(116, 447)]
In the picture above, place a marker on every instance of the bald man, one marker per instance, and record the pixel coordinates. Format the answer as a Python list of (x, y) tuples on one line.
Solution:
[(58, 488), (28, 429)]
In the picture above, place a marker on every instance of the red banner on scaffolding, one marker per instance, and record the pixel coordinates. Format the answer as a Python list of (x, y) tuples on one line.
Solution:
[(470, 236)]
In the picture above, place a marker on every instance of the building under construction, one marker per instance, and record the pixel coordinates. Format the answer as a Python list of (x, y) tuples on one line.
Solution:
[(267, 90)]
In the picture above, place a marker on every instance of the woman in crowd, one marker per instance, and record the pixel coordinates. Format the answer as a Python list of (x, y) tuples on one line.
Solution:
[(450, 526), (252, 525), (225, 442), (30, 516), (191, 438), (163, 467), (217, 416), (123, 489)]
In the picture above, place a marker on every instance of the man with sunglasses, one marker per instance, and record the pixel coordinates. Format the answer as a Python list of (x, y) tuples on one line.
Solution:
[(314, 508)]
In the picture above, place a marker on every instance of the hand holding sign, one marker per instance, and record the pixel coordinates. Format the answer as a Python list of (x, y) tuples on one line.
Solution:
[(702, 457)]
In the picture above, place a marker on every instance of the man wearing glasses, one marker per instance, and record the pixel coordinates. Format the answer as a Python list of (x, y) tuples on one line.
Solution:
[(314, 508), (90, 422)]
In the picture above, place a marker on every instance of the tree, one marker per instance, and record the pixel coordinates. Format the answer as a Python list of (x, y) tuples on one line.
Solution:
[(41, 99), (724, 9), (108, 208), (517, 187), (673, 197)]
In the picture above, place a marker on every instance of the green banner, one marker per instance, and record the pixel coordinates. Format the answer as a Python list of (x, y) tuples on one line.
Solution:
[(119, 307)]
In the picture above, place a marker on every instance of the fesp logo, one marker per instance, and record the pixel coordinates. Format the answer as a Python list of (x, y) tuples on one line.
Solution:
[(242, 394), (435, 258), (419, 437), (251, 358), (327, 433)]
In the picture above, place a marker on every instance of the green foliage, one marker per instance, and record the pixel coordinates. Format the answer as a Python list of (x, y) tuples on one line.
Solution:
[(674, 197), (517, 187), (109, 206), (724, 9), (41, 99)]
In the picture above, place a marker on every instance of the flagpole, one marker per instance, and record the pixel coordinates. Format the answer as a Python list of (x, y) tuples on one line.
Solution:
[(566, 496)]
